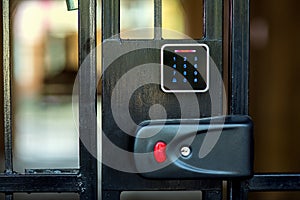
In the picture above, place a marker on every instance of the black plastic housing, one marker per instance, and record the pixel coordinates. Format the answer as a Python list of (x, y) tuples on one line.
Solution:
[(226, 145)]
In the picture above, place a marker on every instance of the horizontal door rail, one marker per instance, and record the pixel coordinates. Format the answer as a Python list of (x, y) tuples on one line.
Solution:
[(41, 183), (274, 182)]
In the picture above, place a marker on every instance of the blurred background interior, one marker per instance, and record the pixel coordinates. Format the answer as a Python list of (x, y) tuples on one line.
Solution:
[(44, 36)]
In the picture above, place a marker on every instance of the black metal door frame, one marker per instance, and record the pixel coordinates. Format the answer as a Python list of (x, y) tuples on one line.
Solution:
[(83, 180), (113, 181), (237, 91)]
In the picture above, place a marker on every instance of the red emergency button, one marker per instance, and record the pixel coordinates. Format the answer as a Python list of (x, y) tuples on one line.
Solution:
[(160, 152)]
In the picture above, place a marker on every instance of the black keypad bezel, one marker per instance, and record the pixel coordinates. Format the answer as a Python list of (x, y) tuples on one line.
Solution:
[(184, 67)]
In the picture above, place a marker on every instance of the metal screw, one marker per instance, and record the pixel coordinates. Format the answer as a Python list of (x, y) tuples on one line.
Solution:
[(185, 151)]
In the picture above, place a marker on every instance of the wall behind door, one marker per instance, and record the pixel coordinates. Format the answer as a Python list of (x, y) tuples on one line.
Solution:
[(274, 88)]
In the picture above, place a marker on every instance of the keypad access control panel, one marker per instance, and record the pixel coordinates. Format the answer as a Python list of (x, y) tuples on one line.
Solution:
[(185, 68)]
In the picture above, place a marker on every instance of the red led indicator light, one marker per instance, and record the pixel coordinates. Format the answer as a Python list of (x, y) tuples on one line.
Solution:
[(185, 51), (160, 152)]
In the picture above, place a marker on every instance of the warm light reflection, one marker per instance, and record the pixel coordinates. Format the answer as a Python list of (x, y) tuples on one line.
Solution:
[(36, 23), (136, 14), (173, 19), (139, 14), (45, 65)]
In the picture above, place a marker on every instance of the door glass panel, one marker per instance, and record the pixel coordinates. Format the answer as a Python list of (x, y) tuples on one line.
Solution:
[(182, 16), (45, 66), (136, 14)]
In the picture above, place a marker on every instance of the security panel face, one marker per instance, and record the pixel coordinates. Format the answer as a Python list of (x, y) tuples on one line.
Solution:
[(185, 68)]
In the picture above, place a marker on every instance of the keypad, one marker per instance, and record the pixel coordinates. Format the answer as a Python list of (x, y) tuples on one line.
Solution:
[(185, 68)]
